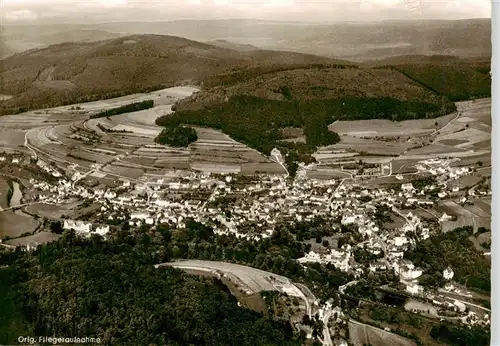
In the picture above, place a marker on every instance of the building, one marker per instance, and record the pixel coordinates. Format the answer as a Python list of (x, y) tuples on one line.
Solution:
[(414, 288), (448, 273), (102, 230), (408, 187), (78, 226)]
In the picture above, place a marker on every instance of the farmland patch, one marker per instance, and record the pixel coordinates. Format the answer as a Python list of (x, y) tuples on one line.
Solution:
[(35, 239), (363, 334), (14, 225)]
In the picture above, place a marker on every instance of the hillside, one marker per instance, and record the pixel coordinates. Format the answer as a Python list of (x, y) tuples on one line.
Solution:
[(263, 108), (351, 41), (457, 81), (312, 83), (78, 72), (456, 78), (359, 42), (112, 291), (232, 45)]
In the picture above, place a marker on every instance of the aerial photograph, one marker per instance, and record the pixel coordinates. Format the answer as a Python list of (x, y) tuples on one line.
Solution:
[(245, 173)]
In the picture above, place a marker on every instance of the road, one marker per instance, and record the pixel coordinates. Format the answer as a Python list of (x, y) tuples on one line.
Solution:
[(326, 331), (448, 123), (350, 283), (212, 195), (27, 145), (82, 177)]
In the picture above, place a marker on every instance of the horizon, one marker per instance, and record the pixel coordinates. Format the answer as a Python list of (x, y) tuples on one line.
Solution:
[(335, 11), (251, 20)]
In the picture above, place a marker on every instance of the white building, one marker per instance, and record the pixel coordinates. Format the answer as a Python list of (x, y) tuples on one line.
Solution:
[(445, 217), (400, 241), (448, 273), (408, 187), (414, 288), (78, 226), (459, 305), (102, 230)]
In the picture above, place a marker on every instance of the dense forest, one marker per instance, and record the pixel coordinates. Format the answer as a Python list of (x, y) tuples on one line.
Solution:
[(110, 289), (454, 249), (177, 136), (457, 82), (455, 336), (132, 107)]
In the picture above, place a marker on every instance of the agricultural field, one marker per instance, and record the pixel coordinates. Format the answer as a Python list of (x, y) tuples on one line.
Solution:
[(53, 212), (476, 215), (124, 144), (468, 137), (11, 139), (4, 192), (23, 224), (34, 240), (433, 149), (363, 334), (368, 146), (387, 128), (465, 135), (325, 172)]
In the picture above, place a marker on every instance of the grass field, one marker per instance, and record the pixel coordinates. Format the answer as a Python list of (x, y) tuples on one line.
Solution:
[(367, 146), (253, 280), (34, 240), (362, 334), (4, 193), (387, 128), (53, 212), (14, 225)]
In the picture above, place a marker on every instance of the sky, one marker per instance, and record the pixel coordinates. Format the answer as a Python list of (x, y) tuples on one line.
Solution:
[(79, 11)]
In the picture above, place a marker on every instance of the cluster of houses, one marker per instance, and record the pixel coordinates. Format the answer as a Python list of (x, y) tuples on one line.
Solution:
[(252, 208), (258, 205)]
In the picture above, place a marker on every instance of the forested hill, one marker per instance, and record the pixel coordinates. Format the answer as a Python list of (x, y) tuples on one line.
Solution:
[(76, 72), (110, 290)]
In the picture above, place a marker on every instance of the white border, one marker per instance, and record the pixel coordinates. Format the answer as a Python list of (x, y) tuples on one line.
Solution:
[(495, 187)]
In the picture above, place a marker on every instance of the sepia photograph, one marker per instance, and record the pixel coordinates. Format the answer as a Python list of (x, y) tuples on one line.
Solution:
[(246, 173)]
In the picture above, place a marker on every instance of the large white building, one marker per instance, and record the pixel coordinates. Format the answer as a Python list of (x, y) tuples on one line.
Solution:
[(78, 226)]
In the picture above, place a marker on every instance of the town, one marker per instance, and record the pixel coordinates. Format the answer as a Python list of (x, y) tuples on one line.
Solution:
[(387, 219)]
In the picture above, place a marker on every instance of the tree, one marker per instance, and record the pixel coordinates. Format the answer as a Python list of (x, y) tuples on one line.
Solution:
[(177, 136), (56, 227), (326, 243)]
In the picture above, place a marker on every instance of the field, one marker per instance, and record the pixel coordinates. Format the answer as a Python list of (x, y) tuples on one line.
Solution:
[(34, 240), (363, 334), (53, 212), (387, 128), (133, 154), (365, 146), (476, 215), (4, 189), (14, 225), (465, 135)]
